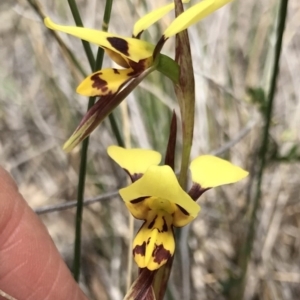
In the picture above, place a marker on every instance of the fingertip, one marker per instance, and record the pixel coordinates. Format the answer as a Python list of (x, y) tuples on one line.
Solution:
[(31, 266), (6, 181)]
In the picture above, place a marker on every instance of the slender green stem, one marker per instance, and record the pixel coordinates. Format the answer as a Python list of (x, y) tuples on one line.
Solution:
[(99, 60), (105, 23), (264, 145), (107, 14), (78, 221), (78, 22), (95, 65), (115, 129), (265, 141)]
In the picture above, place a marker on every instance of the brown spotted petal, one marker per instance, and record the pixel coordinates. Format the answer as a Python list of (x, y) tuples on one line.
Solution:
[(162, 192), (134, 161), (154, 244), (131, 48), (105, 82), (138, 207), (101, 109)]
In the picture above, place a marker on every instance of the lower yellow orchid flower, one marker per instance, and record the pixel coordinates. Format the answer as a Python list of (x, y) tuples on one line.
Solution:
[(156, 197)]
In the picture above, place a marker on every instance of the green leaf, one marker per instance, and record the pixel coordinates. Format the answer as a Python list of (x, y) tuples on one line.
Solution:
[(168, 66)]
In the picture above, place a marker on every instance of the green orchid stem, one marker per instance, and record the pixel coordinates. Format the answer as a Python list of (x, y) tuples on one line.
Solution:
[(95, 65), (185, 92), (186, 148), (246, 253), (115, 129), (78, 22), (79, 210)]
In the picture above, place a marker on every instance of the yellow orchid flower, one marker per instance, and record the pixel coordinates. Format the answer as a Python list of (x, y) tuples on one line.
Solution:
[(156, 197), (131, 53)]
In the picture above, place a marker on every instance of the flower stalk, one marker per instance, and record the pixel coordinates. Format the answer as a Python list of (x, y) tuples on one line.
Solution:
[(95, 64), (185, 92)]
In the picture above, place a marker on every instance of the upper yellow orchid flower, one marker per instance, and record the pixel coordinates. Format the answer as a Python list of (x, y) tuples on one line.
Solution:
[(156, 197), (130, 53)]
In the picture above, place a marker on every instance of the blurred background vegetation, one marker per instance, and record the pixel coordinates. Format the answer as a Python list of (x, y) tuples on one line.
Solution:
[(232, 55)]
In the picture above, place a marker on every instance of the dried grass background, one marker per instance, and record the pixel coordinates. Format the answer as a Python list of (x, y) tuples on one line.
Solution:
[(232, 52)]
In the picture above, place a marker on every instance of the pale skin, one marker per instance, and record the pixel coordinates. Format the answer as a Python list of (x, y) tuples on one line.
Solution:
[(31, 268)]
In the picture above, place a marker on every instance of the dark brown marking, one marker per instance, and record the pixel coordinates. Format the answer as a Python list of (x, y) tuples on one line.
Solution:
[(139, 249), (119, 44), (159, 46), (165, 226), (138, 200), (150, 226), (99, 83), (138, 35), (116, 71), (134, 177), (170, 155), (183, 210), (138, 67), (160, 254), (148, 241), (196, 191)]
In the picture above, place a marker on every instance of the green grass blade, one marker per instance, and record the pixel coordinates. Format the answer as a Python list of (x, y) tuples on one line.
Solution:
[(82, 171)]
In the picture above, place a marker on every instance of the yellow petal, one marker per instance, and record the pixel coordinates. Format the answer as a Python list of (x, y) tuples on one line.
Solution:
[(181, 217), (117, 58), (134, 49), (211, 171), (134, 161), (160, 182), (154, 244), (151, 18), (193, 15), (140, 207), (104, 82)]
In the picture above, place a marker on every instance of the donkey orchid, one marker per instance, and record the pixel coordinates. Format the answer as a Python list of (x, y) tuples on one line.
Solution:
[(156, 197), (137, 57)]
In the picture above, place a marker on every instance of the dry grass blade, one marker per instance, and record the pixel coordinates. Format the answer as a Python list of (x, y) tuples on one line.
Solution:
[(6, 296)]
